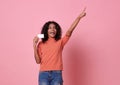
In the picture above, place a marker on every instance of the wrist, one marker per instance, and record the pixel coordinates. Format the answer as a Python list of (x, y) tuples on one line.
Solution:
[(34, 45)]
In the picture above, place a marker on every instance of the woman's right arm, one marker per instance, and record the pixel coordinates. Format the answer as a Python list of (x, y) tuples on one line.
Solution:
[(36, 54)]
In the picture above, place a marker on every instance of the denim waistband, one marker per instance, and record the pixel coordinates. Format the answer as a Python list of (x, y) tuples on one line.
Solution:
[(52, 71)]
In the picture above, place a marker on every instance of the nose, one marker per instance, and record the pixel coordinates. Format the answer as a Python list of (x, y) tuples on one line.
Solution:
[(53, 29)]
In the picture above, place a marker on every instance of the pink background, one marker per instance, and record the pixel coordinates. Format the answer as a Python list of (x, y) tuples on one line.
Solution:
[(92, 55)]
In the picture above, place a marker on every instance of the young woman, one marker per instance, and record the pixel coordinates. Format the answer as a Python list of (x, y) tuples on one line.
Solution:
[(48, 52)]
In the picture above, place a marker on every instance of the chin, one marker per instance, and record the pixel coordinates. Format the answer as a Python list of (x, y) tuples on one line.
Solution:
[(52, 36)]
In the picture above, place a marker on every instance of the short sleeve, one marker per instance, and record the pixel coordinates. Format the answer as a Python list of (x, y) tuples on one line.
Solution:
[(65, 40)]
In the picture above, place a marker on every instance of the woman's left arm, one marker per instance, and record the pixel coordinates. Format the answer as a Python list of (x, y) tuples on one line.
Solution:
[(74, 24)]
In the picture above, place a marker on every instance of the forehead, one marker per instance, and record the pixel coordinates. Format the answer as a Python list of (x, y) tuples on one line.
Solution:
[(51, 24)]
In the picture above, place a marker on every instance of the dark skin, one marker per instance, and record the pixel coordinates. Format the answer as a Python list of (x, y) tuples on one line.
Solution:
[(68, 33)]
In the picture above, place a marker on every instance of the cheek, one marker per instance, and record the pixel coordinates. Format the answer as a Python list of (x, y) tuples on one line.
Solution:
[(48, 30), (55, 30)]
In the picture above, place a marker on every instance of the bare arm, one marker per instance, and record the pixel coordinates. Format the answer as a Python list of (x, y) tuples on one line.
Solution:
[(36, 55), (74, 24)]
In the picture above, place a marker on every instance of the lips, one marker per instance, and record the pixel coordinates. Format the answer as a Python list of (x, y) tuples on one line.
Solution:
[(53, 33)]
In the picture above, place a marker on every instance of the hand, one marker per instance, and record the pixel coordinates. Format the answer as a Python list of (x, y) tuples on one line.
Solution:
[(83, 13), (35, 40)]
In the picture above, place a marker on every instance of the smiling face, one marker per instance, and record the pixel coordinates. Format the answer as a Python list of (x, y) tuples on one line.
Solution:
[(52, 31)]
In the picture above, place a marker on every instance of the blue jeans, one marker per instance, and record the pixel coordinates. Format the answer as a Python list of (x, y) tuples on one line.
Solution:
[(50, 78)]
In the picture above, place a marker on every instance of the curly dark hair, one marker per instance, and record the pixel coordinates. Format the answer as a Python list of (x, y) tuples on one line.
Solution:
[(45, 31)]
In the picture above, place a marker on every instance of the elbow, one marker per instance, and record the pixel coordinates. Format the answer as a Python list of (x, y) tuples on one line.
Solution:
[(68, 33), (38, 62), (37, 59)]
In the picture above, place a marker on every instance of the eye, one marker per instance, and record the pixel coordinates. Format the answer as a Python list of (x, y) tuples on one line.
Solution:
[(50, 27)]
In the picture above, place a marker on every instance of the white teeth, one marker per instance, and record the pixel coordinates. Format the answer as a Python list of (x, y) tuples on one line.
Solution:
[(52, 33)]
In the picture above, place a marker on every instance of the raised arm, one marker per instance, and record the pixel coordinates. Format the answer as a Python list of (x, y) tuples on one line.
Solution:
[(74, 24)]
